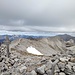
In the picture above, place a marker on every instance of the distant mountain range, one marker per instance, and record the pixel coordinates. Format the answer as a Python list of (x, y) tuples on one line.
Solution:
[(14, 37), (65, 37), (45, 44)]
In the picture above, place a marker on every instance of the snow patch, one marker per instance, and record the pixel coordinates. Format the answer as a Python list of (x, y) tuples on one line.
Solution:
[(32, 50)]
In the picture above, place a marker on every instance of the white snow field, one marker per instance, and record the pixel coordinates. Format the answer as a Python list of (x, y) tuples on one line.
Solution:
[(32, 50)]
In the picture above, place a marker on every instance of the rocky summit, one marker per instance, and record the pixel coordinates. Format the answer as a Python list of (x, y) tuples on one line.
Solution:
[(57, 58)]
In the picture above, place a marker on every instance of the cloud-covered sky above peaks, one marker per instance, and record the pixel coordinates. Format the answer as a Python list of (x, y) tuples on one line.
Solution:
[(37, 15)]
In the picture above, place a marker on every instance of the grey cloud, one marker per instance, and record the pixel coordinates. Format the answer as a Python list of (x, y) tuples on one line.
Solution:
[(47, 13)]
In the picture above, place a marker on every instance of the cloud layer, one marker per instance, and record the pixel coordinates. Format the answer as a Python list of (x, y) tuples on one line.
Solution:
[(37, 15)]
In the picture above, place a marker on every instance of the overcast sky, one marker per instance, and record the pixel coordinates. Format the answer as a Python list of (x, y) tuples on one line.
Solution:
[(37, 15)]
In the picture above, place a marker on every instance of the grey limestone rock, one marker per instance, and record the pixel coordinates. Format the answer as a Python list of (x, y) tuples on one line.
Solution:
[(62, 73), (41, 70), (33, 72)]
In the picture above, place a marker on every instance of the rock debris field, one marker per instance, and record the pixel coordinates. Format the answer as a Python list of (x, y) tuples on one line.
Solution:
[(22, 63)]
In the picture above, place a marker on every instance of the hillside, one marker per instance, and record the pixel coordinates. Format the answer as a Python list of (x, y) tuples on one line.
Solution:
[(42, 56), (46, 46)]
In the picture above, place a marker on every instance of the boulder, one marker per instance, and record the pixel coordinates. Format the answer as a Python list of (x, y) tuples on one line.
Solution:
[(64, 59), (48, 65), (56, 74), (71, 63), (48, 72), (4, 67), (22, 69), (33, 72), (41, 70), (72, 60), (61, 66), (57, 69), (62, 73), (74, 68), (68, 69)]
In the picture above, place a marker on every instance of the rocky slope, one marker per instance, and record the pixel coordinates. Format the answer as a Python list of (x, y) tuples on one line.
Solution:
[(20, 63), (46, 46), (58, 57)]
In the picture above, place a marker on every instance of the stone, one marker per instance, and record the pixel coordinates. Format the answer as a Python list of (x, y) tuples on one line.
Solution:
[(28, 59), (45, 74), (1, 59), (68, 66), (13, 56), (61, 66), (69, 52), (68, 69), (71, 63), (41, 70), (12, 62), (64, 59), (48, 72), (62, 73), (57, 69), (48, 65), (53, 59), (73, 73), (70, 43), (74, 68), (4, 67), (56, 73), (16, 59), (22, 69), (6, 73), (27, 73), (33, 72), (72, 60), (43, 61)]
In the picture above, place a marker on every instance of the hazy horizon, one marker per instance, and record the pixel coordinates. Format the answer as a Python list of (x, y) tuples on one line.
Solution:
[(36, 33)]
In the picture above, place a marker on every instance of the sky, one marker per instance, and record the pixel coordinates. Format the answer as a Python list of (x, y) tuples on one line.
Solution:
[(37, 16)]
